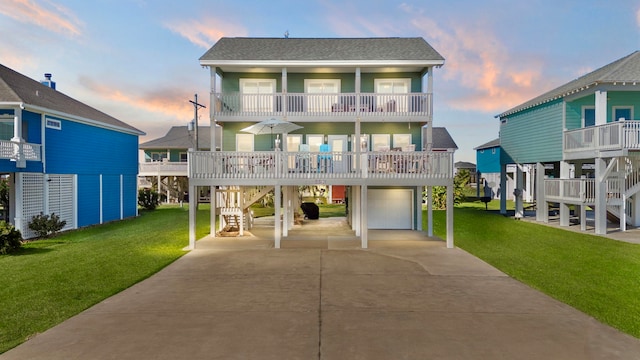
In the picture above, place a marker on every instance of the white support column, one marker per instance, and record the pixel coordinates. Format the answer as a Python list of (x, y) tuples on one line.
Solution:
[(212, 217), (519, 213), (277, 203), (542, 209), (17, 210), (601, 197), (364, 231), (355, 208), (635, 209), (418, 206), (449, 214), (285, 213), (17, 138), (503, 189), (285, 98), (192, 217), (565, 171), (623, 196), (430, 211), (601, 107), (101, 201)]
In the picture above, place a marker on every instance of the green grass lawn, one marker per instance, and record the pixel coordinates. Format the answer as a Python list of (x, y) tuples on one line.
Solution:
[(596, 275), (48, 281)]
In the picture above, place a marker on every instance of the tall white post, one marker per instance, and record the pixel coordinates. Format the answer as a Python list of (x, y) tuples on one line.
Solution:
[(285, 213), (565, 171), (503, 189), (449, 214), (212, 217), (418, 206), (601, 197), (277, 203), (430, 211), (192, 217), (519, 192), (542, 209), (364, 231)]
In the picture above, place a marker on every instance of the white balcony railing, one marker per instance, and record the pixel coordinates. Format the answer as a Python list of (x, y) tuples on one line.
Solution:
[(617, 135), (12, 150), (570, 190), (340, 104), (163, 167), (328, 165)]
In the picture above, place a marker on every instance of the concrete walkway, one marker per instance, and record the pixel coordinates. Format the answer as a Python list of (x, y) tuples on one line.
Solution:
[(407, 297)]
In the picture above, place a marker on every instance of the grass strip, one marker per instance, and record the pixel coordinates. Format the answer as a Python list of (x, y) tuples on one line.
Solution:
[(594, 274)]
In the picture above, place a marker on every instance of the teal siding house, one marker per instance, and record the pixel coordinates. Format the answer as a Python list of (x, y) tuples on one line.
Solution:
[(62, 156), (583, 143), (355, 113)]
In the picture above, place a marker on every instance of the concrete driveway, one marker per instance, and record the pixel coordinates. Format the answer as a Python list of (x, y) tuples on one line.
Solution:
[(325, 299)]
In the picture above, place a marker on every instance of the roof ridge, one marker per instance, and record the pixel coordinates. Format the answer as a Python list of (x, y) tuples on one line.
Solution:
[(616, 65)]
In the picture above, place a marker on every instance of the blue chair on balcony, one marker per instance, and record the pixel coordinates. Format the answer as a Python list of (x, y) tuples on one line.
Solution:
[(324, 159)]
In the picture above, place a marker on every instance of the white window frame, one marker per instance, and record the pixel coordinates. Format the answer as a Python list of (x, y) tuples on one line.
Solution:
[(8, 119), (241, 139), (401, 140), (401, 102), (380, 142), (161, 155), (316, 102), (180, 156), (257, 101), (614, 108)]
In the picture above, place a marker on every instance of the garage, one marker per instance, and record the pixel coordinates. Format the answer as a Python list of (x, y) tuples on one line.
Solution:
[(390, 209)]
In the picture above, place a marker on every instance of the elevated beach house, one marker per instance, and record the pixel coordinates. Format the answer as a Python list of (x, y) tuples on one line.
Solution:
[(62, 156), (353, 112), (582, 142)]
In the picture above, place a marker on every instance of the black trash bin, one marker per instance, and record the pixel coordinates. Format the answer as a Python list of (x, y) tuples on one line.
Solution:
[(311, 211)]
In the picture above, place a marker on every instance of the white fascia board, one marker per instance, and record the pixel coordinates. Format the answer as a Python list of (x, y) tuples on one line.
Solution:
[(325, 63), (80, 119)]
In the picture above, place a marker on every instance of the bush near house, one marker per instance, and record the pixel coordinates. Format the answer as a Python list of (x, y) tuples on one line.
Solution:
[(148, 199), (10, 238), (45, 225), (460, 182)]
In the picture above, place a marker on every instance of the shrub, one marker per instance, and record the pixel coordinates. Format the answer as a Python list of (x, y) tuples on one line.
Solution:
[(45, 225), (148, 199), (10, 238)]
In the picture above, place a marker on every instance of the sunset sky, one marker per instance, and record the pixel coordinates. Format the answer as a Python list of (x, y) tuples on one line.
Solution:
[(137, 60)]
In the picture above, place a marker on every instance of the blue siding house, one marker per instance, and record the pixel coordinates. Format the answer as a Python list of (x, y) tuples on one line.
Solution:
[(582, 143), (64, 157)]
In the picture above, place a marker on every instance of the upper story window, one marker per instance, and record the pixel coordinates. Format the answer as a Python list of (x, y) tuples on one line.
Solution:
[(257, 94), (158, 156), (588, 116), (183, 157), (317, 87), (622, 112), (389, 101), (6, 127)]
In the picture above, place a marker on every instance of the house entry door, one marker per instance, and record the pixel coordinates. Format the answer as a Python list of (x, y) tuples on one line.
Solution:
[(338, 144)]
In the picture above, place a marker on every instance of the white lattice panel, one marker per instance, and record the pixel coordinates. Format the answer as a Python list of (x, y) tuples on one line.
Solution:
[(62, 198), (32, 200)]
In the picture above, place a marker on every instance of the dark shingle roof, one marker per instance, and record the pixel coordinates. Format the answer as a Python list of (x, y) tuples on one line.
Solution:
[(622, 71), (17, 88), (490, 144), (178, 137), (321, 49), (442, 139)]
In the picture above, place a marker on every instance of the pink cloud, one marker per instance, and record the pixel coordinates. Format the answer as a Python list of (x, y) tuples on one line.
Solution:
[(170, 102), (49, 16), (491, 78), (205, 32)]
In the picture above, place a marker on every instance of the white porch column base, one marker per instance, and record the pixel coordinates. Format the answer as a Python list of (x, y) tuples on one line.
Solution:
[(364, 231), (277, 202), (212, 217), (601, 197), (450, 216), (192, 217)]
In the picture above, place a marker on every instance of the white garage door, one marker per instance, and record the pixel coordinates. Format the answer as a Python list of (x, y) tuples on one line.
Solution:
[(390, 209)]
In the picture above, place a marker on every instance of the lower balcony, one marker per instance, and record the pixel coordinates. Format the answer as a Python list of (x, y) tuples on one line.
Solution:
[(163, 168), (277, 167)]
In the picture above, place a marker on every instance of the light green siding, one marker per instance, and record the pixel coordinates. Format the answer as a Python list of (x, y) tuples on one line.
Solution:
[(263, 142), (574, 111), (533, 135), (623, 98)]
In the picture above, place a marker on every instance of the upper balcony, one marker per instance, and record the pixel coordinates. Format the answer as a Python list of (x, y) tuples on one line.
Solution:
[(338, 107), (419, 168), (612, 139)]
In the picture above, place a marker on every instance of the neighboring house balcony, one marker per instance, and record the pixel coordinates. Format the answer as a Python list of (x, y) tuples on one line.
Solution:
[(163, 168), (409, 168), (608, 140), (20, 151), (305, 107)]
